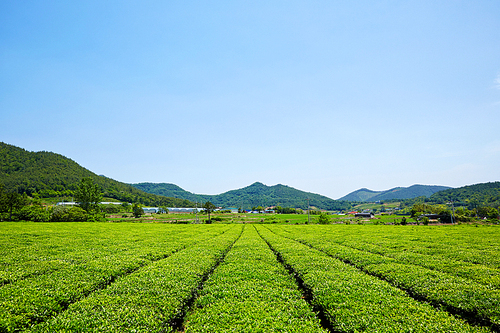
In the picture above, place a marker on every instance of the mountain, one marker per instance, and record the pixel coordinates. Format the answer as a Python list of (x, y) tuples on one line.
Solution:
[(366, 195), (471, 196), (360, 195), (53, 175), (256, 194), (170, 190)]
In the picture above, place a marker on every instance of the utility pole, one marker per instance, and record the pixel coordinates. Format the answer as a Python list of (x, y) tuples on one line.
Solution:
[(308, 216), (196, 204), (452, 212)]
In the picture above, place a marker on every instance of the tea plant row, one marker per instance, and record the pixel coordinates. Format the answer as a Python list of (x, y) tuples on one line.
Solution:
[(30, 249), (107, 277), (468, 255), (465, 297), (251, 292), (473, 245), (357, 302), (37, 297), (151, 299)]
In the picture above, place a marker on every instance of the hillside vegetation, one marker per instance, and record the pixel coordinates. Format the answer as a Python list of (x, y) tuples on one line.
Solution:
[(256, 194), (170, 190), (361, 195), (414, 191), (472, 196), (53, 175)]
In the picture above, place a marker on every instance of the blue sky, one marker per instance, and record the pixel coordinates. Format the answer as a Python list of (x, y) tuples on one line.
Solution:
[(323, 96)]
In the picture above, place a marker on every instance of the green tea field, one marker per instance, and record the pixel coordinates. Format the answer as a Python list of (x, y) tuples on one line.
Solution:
[(248, 277)]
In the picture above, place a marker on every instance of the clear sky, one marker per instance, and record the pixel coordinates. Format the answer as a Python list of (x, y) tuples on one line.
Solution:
[(324, 96)]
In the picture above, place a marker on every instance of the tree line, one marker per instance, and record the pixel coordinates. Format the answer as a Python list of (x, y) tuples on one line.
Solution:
[(87, 194), (21, 207)]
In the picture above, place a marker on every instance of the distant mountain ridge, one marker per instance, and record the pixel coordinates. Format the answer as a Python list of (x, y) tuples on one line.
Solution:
[(472, 196), (363, 194), (53, 175), (256, 194), (414, 191), (170, 190)]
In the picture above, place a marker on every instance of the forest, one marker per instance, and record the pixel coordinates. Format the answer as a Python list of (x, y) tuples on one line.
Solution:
[(476, 197), (50, 175)]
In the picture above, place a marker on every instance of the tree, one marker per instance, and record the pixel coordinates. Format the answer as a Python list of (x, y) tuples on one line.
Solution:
[(11, 201), (88, 195), (3, 200), (488, 212), (445, 216), (125, 206), (403, 221), (425, 220), (209, 207), (137, 210), (323, 218)]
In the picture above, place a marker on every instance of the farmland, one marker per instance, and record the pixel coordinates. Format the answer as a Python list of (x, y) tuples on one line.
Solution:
[(248, 277)]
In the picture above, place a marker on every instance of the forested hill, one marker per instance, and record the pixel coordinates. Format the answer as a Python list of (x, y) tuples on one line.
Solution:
[(484, 194), (256, 194), (361, 195), (171, 190), (53, 175), (365, 195)]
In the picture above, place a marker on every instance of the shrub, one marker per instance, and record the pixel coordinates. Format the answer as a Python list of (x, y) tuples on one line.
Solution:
[(323, 218), (66, 214), (111, 209), (425, 220), (96, 217), (403, 221), (271, 219), (34, 213), (445, 216)]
